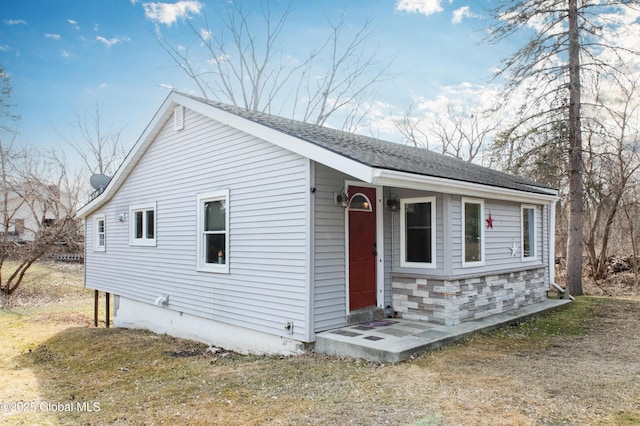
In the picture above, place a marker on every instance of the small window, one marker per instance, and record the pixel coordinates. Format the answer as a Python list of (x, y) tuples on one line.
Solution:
[(360, 202), (143, 225), (19, 227), (472, 224), (528, 232), (418, 232), (100, 234), (213, 235)]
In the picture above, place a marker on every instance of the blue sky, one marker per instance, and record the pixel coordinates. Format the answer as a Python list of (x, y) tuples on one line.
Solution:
[(65, 56)]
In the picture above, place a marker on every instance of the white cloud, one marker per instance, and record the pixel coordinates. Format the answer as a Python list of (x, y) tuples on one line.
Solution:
[(218, 59), (65, 54), (461, 13), (111, 41), (4, 48), (52, 36), (166, 86), (426, 7), (15, 22), (102, 86), (73, 23), (169, 13), (206, 34)]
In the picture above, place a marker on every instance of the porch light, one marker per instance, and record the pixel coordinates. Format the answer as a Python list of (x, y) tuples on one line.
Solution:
[(393, 203), (343, 199)]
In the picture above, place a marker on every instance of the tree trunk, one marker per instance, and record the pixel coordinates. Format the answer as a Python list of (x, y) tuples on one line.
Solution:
[(576, 188)]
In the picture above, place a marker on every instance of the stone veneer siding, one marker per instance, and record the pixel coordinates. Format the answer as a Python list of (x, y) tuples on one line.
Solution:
[(452, 301)]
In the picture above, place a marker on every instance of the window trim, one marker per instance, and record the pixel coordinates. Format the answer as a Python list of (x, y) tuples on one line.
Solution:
[(144, 241), (201, 265), (403, 238), (481, 262), (533, 239), (96, 234)]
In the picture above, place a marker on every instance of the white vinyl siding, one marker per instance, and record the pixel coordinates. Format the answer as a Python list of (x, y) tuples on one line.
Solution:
[(266, 286), (329, 254)]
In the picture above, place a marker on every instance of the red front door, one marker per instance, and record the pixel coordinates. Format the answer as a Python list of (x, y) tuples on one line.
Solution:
[(362, 247)]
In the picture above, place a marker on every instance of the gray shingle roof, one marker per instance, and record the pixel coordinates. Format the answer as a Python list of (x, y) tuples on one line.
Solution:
[(385, 155)]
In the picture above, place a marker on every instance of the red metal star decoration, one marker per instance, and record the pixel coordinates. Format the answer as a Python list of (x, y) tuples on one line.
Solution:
[(489, 222)]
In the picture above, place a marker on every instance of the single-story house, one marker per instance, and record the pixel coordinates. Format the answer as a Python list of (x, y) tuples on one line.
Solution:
[(255, 232)]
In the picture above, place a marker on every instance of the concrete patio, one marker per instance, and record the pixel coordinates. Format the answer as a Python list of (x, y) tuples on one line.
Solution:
[(393, 340)]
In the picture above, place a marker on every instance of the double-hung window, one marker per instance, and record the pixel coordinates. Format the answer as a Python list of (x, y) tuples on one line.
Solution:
[(100, 233), (143, 225), (528, 232), (418, 232), (213, 232), (472, 225)]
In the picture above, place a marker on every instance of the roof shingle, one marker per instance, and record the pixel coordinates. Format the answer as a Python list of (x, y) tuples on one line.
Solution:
[(383, 154)]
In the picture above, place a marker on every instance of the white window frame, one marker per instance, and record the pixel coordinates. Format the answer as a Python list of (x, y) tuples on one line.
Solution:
[(534, 231), (144, 241), (201, 265), (96, 239), (481, 227), (403, 240)]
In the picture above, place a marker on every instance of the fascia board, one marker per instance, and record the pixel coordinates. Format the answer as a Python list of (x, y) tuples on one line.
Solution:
[(430, 183), (291, 143)]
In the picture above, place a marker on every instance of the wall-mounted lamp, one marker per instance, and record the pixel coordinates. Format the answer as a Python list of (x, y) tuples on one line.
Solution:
[(393, 203), (343, 199), (121, 217)]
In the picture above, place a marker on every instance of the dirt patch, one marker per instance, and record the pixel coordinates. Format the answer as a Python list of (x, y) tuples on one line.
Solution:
[(69, 318), (588, 379), (620, 285)]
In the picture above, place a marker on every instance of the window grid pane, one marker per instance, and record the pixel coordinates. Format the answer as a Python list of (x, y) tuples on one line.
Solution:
[(472, 233), (418, 232), (150, 225), (214, 248), (214, 216), (528, 217), (138, 224)]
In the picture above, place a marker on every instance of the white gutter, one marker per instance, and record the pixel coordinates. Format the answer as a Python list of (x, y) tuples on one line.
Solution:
[(436, 184)]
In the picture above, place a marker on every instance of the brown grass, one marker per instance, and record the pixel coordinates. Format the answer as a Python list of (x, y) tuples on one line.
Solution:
[(576, 366)]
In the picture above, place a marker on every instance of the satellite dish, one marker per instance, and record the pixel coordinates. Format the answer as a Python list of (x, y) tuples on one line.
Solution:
[(99, 182)]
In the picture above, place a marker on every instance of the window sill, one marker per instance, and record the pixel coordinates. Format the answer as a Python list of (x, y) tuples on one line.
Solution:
[(213, 269)]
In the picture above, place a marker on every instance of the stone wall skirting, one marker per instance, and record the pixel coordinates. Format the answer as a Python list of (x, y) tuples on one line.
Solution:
[(451, 301)]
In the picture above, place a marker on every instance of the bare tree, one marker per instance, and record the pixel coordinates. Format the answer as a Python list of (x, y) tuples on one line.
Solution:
[(33, 218), (247, 65), (550, 71), (99, 147), (461, 133), (611, 165)]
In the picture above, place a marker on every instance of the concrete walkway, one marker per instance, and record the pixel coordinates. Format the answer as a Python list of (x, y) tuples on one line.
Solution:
[(394, 340)]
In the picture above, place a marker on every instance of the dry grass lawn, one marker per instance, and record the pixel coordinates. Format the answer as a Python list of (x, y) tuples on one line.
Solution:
[(576, 366)]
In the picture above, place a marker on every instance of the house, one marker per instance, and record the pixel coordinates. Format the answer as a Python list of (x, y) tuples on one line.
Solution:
[(255, 232), (26, 207)]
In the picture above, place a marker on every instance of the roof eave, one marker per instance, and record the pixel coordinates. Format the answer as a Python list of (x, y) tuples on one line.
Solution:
[(398, 179)]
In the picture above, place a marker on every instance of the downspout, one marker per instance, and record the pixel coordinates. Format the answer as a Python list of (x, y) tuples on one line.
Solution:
[(552, 251)]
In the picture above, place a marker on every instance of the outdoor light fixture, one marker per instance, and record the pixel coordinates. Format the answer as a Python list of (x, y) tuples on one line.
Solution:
[(393, 203), (343, 199)]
